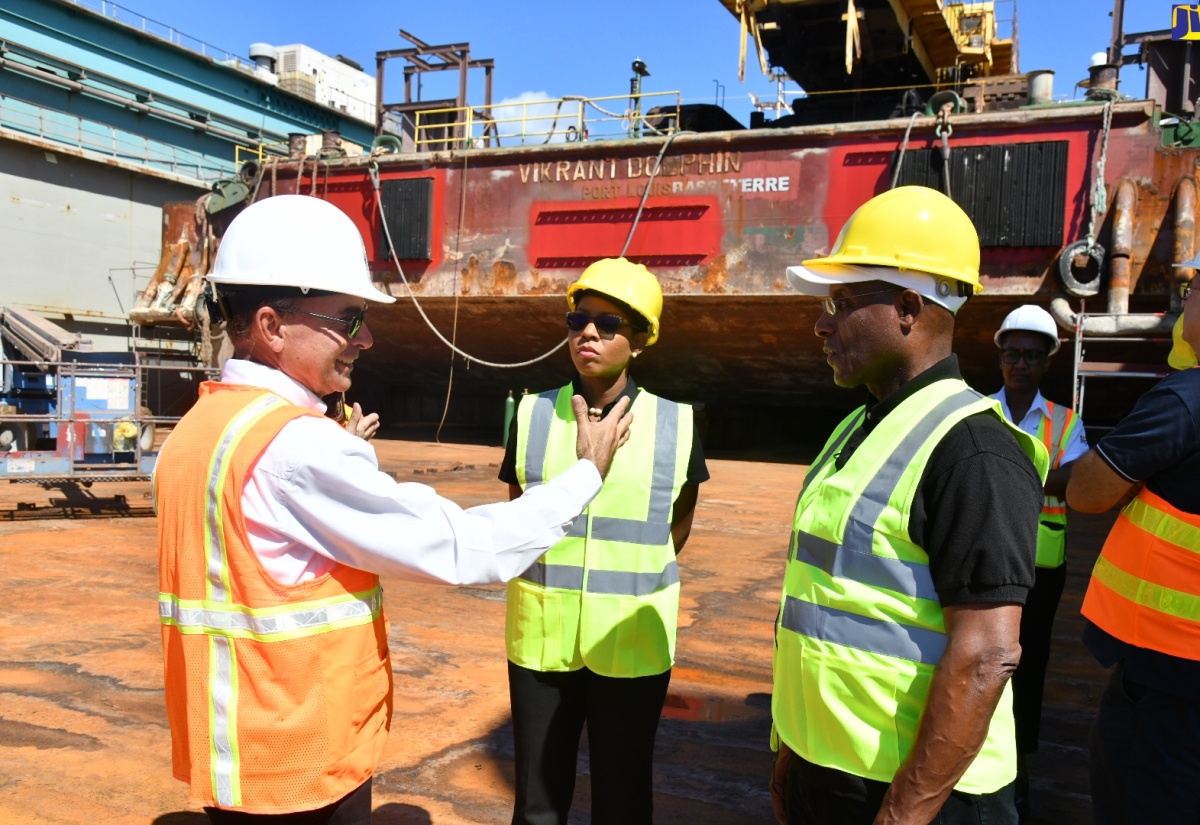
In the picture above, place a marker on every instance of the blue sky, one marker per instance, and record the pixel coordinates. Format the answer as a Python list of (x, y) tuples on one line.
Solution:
[(585, 47)]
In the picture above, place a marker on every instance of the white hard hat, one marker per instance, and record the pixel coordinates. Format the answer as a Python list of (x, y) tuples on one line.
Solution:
[(295, 241), (1030, 318)]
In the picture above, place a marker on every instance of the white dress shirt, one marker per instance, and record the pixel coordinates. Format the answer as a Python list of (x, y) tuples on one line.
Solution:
[(1076, 444), (316, 496)]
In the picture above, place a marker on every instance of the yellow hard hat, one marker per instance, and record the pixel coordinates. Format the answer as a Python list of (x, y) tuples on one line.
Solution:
[(908, 228), (1182, 356), (622, 280)]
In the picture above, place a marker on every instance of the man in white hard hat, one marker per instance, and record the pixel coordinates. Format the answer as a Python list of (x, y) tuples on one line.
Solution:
[(912, 545), (1143, 601), (1028, 338), (275, 524)]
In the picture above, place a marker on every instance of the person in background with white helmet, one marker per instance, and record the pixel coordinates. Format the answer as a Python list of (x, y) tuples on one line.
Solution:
[(590, 629), (1027, 339), (275, 525), (1142, 604), (912, 547)]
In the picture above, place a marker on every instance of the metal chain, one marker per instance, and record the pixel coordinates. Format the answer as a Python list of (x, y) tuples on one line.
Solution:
[(1099, 193), (944, 129)]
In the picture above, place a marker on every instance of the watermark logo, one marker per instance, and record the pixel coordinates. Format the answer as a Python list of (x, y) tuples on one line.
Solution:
[(1185, 22)]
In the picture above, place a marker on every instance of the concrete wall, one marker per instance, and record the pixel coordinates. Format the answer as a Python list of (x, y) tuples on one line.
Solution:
[(68, 225)]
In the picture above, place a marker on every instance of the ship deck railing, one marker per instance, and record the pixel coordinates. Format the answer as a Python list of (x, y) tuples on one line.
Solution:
[(146, 25), (23, 117), (559, 120)]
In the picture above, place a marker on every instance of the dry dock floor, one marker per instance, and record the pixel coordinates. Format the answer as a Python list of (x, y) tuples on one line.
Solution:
[(83, 734)]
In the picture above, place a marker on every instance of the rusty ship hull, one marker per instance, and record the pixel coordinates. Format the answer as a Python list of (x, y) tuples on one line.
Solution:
[(489, 239)]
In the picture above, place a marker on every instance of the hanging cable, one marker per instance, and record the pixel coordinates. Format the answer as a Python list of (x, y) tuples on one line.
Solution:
[(904, 148), (462, 213), (646, 194), (374, 172), (373, 169)]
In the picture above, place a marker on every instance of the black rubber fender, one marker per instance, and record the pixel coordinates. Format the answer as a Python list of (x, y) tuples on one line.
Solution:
[(1066, 269)]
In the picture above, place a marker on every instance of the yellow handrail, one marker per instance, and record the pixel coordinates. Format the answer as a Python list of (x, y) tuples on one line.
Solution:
[(258, 152), (542, 121)]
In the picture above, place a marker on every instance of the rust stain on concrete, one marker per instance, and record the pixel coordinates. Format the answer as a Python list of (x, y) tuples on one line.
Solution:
[(83, 736)]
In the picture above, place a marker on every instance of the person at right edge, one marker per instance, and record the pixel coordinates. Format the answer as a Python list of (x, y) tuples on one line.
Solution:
[(1028, 339), (1143, 601), (590, 628), (912, 548)]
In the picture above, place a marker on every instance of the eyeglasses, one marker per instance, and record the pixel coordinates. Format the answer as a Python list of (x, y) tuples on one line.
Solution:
[(606, 324), (353, 324), (834, 305), (1185, 289), (1032, 357)]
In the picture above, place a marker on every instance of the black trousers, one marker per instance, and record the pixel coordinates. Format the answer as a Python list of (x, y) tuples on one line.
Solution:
[(352, 809), (1029, 680), (549, 711), (1145, 756), (816, 795)]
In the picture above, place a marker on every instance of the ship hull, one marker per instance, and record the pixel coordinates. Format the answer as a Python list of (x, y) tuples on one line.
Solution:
[(489, 240)]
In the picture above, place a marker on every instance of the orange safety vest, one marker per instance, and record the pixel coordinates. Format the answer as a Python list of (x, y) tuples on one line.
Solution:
[(1055, 432), (1145, 588), (279, 697)]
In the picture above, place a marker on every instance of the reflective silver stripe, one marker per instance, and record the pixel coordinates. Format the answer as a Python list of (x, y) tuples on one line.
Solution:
[(666, 442), (833, 450), (239, 622), (612, 582), (1058, 423), (223, 726), (907, 577), (854, 559), (619, 583), (627, 530), (841, 627), (539, 437), (562, 576), (217, 470), (816, 468), (655, 529), (630, 531)]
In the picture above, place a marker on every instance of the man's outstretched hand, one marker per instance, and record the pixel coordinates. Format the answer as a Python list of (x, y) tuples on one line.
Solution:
[(597, 441), (363, 426)]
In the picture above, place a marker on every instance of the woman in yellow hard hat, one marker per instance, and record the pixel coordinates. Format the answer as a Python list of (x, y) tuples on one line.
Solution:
[(590, 630)]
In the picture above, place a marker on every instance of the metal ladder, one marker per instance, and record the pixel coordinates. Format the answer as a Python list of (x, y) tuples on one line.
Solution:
[(1114, 364)]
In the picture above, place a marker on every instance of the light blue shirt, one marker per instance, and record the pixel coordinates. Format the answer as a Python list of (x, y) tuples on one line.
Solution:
[(1076, 444)]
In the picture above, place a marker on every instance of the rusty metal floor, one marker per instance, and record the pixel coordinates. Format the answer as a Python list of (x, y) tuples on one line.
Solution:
[(83, 735)]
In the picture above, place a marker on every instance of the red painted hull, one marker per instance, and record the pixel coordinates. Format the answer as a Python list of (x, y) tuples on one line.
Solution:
[(726, 215)]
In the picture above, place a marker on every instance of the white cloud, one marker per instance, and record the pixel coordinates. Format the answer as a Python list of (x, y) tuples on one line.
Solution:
[(535, 116)]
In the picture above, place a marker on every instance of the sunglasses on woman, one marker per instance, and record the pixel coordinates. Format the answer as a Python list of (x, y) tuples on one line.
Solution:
[(606, 324)]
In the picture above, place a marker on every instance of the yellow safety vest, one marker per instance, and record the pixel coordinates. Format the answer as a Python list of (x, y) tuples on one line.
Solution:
[(606, 596), (860, 627)]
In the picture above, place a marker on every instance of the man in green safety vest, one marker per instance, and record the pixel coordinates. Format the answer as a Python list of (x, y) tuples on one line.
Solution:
[(912, 545)]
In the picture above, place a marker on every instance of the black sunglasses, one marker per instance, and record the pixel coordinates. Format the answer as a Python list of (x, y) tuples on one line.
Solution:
[(1185, 289), (833, 306), (353, 324), (1032, 357), (606, 324)]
